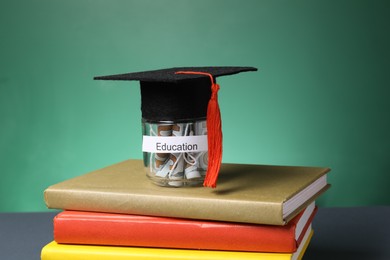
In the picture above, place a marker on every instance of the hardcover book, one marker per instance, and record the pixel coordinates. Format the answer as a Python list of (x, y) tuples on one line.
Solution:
[(258, 194), (93, 228), (55, 251)]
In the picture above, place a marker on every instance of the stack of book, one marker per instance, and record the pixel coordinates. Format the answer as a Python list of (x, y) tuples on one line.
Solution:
[(256, 212)]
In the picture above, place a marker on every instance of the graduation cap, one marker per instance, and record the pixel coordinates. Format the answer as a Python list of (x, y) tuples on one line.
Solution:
[(185, 93)]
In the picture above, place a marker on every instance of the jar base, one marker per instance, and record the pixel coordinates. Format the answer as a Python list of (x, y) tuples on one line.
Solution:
[(174, 183)]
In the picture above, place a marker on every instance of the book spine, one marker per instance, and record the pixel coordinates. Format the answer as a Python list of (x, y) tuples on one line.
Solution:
[(54, 251), (131, 230), (253, 212)]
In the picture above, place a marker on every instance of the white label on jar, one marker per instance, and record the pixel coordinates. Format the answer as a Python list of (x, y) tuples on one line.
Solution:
[(174, 144)]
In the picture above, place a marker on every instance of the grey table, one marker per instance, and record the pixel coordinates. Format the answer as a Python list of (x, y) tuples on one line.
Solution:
[(339, 233)]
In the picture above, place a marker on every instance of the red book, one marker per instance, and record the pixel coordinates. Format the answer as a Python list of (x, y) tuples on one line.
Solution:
[(94, 228)]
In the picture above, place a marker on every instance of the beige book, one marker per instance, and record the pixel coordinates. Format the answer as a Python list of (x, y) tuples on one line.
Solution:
[(259, 194)]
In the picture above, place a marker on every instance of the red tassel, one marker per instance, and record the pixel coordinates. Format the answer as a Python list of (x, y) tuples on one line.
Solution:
[(214, 133), (214, 138)]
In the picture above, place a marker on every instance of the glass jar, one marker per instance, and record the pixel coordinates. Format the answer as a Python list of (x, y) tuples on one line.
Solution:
[(175, 153)]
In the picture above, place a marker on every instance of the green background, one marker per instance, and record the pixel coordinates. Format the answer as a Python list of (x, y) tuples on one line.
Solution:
[(320, 97)]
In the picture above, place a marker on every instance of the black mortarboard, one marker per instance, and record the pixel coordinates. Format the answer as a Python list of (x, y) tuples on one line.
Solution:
[(166, 95), (184, 93)]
